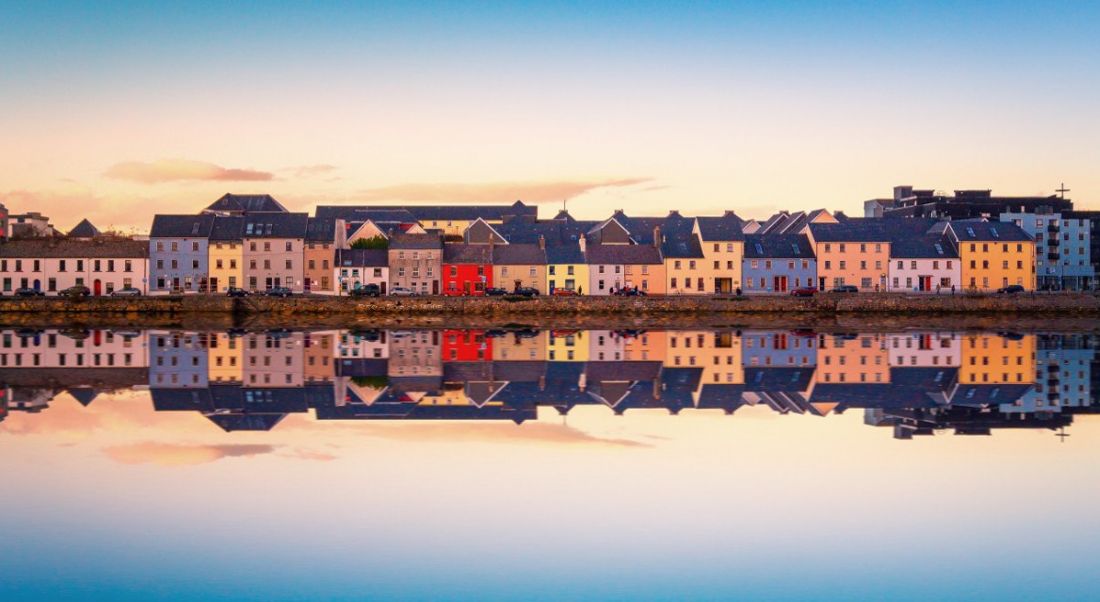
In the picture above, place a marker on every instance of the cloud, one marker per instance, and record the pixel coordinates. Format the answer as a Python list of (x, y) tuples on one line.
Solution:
[(493, 192), (177, 170), (309, 454), (310, 171), (172, 454), (529, 432)]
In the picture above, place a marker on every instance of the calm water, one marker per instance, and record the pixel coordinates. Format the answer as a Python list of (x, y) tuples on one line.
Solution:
[(527, 464)]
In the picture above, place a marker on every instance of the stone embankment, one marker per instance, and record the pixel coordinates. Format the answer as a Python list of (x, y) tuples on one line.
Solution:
[(1061, 304)]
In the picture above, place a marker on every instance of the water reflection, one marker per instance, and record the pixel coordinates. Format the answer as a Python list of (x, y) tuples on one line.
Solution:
[(914, 383)]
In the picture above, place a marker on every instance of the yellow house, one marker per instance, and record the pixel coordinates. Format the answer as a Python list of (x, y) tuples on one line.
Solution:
[(994, 254), (566, 268), (225, 254), (723, 246), (992, 359)]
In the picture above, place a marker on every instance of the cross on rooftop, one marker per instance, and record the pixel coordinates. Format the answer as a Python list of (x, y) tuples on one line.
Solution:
[(1062, 190)]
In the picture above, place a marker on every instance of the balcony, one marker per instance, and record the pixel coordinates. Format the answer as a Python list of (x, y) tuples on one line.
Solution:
[(1053, 256)]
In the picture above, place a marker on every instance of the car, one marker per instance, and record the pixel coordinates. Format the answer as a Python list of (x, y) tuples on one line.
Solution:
[(564, 292), (526, 291), (805, 291), (28, 292), (630, 292), (76, 291), (236, 292), (1011, 289), (400, 291), (493, 291), (278, 291), (126, 292), (367, 290), (845, 288)]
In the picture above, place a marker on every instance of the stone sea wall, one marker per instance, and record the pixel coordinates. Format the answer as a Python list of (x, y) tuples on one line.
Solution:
[(870, 303)]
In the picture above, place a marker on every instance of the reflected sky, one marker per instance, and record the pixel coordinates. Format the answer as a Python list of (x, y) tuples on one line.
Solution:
[(626, 477)]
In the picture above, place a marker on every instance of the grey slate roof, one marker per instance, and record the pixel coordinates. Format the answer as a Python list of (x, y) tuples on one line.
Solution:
[(227, 228), (246, 203), (103, 246), (623, 254), (464, 253), (983, 231), (519, 254), (778, 245), (436, 212), (416, 241), (854, 230), (84, 229), (276, 225), (358, 214), (182, 226), (320, 229), (725, 228), (374, 258)]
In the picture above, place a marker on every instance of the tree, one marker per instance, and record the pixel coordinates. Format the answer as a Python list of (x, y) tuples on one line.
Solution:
[(374, 242)]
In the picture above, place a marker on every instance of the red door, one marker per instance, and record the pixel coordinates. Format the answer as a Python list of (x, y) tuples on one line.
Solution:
[(780, 284), (97, 287)]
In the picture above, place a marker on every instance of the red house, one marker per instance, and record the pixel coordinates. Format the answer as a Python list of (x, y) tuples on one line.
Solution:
[(467, 269), (466, 346)]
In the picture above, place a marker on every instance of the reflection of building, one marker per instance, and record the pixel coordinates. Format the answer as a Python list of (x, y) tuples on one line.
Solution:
[(854, 358), (997, 359), (916, 382)]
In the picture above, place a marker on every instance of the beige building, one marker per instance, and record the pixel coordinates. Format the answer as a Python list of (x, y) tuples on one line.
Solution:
[(323, 238), (415, 262), (516, 265), (274, 251)]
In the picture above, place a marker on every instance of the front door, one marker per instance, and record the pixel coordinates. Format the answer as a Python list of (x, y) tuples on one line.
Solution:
[(213, 284), (925, 283), (821, 284), (780, 284), (97, 287), (435, 287)]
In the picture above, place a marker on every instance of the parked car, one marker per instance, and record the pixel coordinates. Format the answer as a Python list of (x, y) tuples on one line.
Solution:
[(28, 292), (278, 291), (126, 292), (1011, 289), (367, 290), (76, 291), (805, 291), (630, 292), (845, 288), (526, 291), (400, 291), (493, 291), (565, 292), (236, 292)]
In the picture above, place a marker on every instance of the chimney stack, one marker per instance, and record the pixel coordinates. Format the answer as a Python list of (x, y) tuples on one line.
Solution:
[(657, 236), (542, 242), (583, 242)]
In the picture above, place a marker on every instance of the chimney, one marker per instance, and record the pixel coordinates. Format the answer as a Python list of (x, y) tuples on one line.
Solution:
[(542, 242), (583, 242), (657, 236)]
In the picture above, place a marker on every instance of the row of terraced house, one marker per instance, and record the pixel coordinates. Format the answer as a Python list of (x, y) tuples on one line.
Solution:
[(253, 242)]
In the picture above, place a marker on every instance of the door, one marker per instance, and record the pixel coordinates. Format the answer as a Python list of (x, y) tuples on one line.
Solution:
[(925, 283), (435, 287), (97, 287), (37, 285), (821, 284), (213, 284), (780, 284)]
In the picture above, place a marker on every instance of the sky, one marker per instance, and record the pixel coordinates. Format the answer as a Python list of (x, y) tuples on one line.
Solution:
[(116, 111)]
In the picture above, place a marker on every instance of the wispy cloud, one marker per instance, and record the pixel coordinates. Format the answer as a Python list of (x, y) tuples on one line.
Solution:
[(178, 170), (493, 192), (174, 454), (309, 171)]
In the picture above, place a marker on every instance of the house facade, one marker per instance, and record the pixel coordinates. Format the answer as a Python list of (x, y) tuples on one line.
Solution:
[(854, 252), (179, 253), (416, 261), (520, 265), (226, 254), (274, 251), (778, 263), (103, 264), (1063, 255), (467, 269), (356, 268), (722, 243), (324, 237), (993, 255)]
